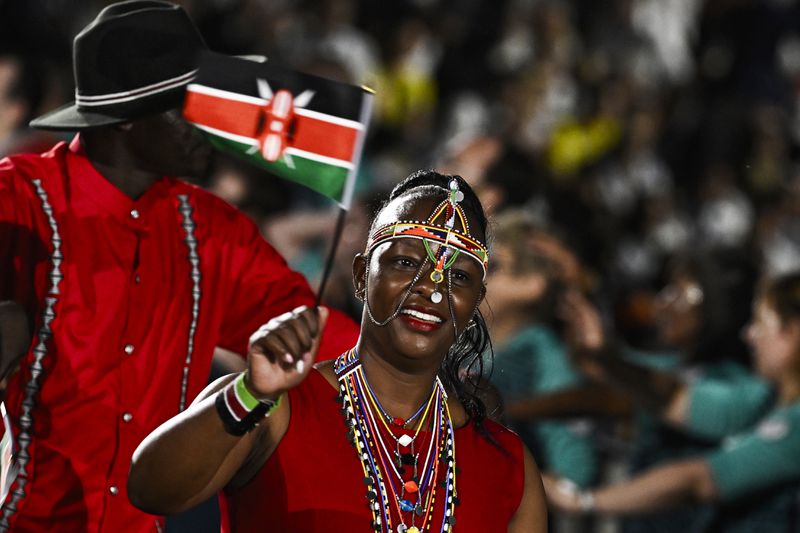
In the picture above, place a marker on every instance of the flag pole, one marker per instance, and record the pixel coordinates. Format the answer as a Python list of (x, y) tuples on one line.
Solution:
[(337, 234), (347, 196)]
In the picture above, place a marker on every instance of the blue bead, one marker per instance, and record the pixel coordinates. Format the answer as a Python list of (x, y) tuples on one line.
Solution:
[(406, 505)]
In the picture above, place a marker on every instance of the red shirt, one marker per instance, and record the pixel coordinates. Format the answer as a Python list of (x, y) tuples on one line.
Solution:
[(314, 482), (130, 299)]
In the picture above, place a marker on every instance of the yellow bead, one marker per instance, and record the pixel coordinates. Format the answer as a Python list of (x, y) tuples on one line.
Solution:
[(412, 529)]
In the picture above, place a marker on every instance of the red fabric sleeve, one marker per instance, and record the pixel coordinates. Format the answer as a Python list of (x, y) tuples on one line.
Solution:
[(340, 334), (263, 286)]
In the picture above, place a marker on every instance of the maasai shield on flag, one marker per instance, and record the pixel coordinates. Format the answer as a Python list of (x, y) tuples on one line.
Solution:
[(300, 127)]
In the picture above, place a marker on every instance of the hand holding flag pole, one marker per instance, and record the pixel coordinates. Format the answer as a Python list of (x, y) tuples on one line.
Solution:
[(297, 126)]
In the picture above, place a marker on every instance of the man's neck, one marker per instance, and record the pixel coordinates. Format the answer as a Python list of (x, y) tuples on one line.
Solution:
[(132, 182), (108, 153)]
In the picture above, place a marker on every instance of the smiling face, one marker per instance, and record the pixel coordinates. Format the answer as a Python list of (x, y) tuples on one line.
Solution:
[(422, 331)]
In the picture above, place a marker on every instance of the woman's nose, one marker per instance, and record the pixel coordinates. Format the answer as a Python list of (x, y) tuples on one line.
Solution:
[(425, 286)]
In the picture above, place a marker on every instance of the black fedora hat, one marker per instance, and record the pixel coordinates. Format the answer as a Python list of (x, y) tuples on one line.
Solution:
[(134, 59)]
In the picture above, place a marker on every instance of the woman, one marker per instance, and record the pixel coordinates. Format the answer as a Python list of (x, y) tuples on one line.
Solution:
[(425, 457), (700, 311), (756, 474), (530, 359), (698, 315)]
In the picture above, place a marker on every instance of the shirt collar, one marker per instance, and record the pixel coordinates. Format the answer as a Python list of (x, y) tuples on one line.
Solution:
[(90, 185)]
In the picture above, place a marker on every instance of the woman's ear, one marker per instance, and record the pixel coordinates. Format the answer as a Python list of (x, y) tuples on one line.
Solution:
[(359, 272)]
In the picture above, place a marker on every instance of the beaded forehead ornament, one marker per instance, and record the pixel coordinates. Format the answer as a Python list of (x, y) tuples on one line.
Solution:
[(452, 241)]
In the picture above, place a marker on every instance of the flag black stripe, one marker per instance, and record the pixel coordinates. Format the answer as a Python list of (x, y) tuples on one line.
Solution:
[(239, 76)]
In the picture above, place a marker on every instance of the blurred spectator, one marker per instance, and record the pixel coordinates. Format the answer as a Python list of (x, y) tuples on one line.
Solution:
[(754, 474), (778, 237), (406, 92), (725, 219), (21, 93), (501, 174), (530, 359), (347, 44), (699, 314)]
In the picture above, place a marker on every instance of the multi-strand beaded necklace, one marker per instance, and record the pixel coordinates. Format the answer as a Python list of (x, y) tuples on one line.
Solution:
[(389, 448)]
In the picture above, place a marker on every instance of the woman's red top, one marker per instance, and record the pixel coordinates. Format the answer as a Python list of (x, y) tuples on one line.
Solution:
[(313, 482)]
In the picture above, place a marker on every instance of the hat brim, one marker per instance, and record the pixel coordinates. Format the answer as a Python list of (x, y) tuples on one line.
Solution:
[(70, 118), (73, 118)]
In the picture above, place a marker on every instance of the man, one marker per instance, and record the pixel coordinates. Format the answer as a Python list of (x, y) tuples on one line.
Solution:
[(130, 278)]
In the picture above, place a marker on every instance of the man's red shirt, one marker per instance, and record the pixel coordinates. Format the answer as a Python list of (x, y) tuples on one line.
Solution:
[(130, 298)]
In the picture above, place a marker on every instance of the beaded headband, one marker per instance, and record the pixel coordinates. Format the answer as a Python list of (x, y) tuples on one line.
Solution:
[(452, 241)]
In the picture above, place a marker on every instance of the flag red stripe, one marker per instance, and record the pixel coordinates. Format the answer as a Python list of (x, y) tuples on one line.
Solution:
[(242, 118), (238, 118), (324, 138)]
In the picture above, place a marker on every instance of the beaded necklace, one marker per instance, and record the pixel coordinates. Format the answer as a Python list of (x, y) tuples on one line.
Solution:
[(408, 503)]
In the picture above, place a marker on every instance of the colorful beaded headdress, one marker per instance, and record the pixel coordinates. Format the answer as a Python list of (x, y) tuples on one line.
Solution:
[(452, 240)]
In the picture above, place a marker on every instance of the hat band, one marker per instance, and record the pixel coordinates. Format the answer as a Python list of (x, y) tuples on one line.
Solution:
[(134, 94)]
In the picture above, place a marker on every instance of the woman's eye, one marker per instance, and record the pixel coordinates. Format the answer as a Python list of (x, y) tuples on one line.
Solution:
[(406, 262), (460, 276)]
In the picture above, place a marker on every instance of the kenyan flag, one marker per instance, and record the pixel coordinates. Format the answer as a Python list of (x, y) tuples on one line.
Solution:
[(300, 127)]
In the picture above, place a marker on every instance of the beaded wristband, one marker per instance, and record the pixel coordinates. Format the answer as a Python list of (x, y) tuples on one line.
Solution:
[(239, 410)]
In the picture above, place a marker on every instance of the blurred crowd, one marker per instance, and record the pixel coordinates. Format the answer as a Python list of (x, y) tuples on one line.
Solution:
[(639, 159)]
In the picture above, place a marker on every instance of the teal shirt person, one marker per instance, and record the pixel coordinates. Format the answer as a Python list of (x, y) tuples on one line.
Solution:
[(757, 474), (724, 399), (724, 396), (535, 362), (727, 400)]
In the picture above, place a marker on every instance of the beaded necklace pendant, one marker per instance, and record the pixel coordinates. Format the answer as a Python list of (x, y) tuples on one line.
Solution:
[(406, 470)]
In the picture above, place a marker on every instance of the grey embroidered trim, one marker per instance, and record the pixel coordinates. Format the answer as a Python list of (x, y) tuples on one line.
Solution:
[(189, 225), (36, 368)]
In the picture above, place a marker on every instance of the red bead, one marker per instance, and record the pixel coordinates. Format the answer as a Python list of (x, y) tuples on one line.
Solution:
[(399, 422), (411, 486)]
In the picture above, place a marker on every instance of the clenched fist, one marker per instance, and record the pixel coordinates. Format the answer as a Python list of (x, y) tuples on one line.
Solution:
[(282, 351)]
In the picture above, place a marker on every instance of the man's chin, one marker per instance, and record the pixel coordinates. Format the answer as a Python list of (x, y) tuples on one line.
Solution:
[(197, 166)]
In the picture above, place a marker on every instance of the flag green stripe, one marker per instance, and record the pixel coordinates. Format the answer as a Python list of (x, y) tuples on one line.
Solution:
[(324, 178)]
